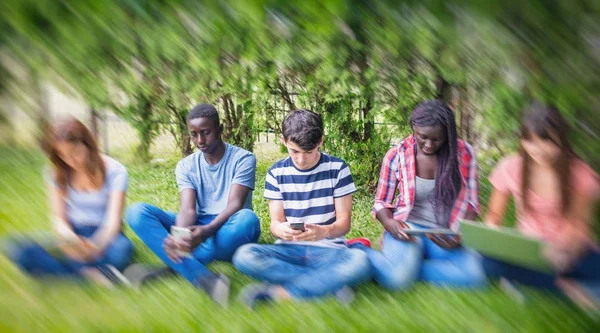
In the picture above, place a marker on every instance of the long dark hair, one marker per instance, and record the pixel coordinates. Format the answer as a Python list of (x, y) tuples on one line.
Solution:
[(447, 180), (72, 130), (546, 122)]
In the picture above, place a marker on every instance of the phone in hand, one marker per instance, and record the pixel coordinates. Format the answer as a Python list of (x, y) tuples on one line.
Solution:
[(297, 226), (179, 233)]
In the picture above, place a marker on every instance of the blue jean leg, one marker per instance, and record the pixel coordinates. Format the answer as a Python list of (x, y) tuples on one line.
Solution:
[(34, 260), (37, 261), (118, 253), (329, 270), (152, 225), (304, 271), (241, 228), (586, 270), (275, 264), (458, 267), (398, 264)]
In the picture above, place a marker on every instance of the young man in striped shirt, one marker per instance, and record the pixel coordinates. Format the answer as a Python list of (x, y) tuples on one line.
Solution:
[(316, 189)]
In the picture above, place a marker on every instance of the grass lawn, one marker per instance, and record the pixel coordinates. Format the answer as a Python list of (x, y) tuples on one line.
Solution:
[(173, 304)]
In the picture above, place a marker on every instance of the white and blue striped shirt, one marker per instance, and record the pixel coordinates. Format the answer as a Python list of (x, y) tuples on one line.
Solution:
[(308, 195)]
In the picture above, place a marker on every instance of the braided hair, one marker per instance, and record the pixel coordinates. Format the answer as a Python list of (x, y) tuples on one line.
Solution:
[(447, 180)]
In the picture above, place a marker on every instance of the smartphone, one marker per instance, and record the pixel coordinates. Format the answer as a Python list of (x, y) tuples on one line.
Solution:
[(416, 232), (297, 226), (178, 233)]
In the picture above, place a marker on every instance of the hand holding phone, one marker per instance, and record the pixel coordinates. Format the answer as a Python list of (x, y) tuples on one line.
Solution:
[(298, 226), (178, 233)]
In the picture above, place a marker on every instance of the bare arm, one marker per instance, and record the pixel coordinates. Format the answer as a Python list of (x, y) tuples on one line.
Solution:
[(112, 227), (186, 216), (343, 214), (496, 208), (394, 227), (57, 207)]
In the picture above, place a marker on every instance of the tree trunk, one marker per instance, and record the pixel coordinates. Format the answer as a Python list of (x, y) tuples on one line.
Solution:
[(94, 123)]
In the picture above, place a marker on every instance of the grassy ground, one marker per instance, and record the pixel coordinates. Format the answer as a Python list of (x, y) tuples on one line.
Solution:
[(27, 305)]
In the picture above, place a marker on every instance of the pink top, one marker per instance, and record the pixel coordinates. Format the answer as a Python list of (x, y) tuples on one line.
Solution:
[(544, 219)]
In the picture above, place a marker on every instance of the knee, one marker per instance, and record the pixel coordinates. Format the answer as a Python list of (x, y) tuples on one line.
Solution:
[(134, 214), (22, 255), (248, 220), (361, 264), (398, 278), (245, 258), (121, 250), (13, 251), (474, 272), (491, 268), (359, 259), (248, 217)]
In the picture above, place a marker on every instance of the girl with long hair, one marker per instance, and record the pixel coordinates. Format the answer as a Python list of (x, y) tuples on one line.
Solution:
[(427, 181), (555, 195), (87, 192)]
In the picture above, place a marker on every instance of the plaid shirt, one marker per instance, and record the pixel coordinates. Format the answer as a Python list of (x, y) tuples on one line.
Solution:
[(398, 173)]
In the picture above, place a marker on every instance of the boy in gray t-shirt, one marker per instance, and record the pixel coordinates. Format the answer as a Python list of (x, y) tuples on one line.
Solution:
[(215, 190)]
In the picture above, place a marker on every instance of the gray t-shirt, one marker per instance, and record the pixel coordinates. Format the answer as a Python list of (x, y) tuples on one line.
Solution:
[(88, 208), (423, 212), (213, 182)]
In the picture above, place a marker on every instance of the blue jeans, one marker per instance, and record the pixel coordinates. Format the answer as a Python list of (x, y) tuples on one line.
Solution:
[(304, 271), (400, 264), (152, 225), (586, 270), (32, 258)]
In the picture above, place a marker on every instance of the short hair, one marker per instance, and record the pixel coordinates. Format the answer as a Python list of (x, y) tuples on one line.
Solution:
[(204, 111), (304, 128)]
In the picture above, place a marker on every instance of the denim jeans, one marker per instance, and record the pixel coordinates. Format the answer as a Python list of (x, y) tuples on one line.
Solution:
[(31, 257), (587, 269), (152, 225), (400, 264), (304, 271)]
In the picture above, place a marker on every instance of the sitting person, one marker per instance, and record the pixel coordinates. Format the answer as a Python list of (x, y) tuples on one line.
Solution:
[(555, 194), (314, 189), (87, 191), (215, 191), (432, 176)]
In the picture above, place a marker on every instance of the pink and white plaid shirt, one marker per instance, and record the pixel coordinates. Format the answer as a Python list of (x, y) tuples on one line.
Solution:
[(398, 173)]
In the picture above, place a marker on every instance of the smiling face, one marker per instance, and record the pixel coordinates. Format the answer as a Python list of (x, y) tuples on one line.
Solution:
[(303, 159), (430, 139), (205, 134)]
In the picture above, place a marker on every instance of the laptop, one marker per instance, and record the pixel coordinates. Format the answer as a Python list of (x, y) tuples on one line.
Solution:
[(505, 244)]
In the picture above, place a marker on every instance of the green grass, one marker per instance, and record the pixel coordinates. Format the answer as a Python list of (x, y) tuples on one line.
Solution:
[(27, 305)]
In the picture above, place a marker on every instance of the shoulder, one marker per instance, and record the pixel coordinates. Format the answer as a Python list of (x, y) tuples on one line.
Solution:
[(465, 148), (510, 165), (188, 162), (584, 169), (408, 143), (585, 178), (278, 167), (333, 162), (237, 153), (113, 167)]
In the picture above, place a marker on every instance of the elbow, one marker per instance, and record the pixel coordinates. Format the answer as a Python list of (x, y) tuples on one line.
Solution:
[(344, 227)]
